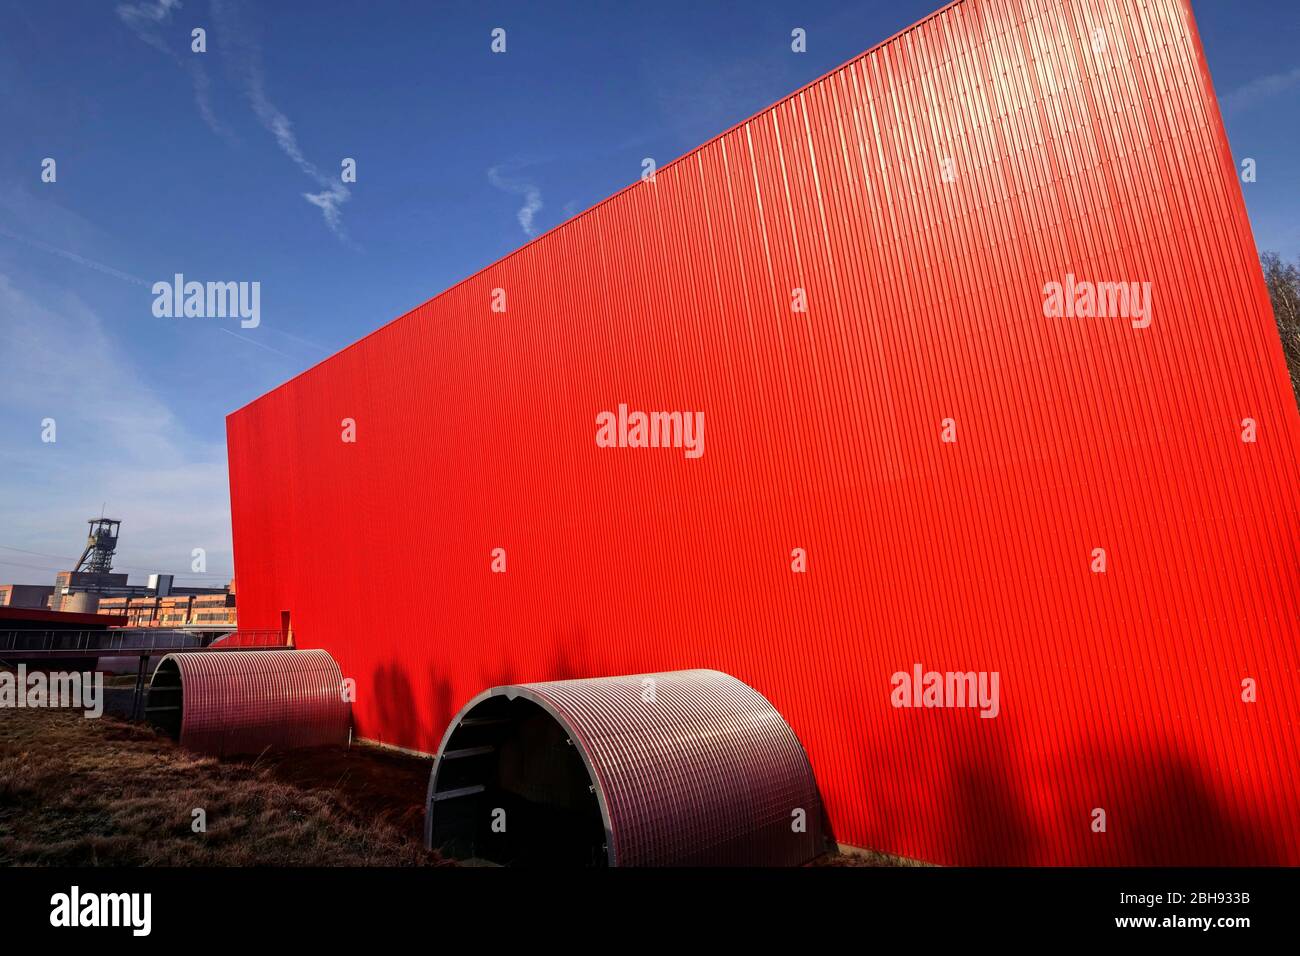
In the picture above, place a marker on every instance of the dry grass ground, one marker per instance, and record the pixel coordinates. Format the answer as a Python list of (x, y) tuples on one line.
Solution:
[(867, 858), (105, 792)]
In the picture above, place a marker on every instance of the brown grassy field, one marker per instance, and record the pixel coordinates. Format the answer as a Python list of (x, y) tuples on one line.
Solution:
[(106, 792)]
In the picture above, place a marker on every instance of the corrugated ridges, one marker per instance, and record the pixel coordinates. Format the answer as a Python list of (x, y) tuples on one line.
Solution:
[(1121, 690), (707, 772), (247, 701)]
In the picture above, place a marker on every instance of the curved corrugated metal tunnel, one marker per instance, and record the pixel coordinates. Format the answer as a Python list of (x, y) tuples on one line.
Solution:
[(233, 702), (688, 768)]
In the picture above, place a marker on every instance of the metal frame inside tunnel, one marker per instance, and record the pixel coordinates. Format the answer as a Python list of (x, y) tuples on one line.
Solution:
[(496, 709)]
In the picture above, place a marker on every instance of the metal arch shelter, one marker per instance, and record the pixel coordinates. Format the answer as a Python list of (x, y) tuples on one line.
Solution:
[(1096, 509), (238, 702), (685, 768)]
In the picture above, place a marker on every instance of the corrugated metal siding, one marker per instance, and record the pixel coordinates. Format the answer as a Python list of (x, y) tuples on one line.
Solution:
[(1119, 691), (237, 702)]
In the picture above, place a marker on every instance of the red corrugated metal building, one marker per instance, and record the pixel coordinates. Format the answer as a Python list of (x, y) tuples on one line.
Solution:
[(923, 197)]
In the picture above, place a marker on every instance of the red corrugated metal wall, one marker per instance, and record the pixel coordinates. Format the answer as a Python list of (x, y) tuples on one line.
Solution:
[(1120, 690)]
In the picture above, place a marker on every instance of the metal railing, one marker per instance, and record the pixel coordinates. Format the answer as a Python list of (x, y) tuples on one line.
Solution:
[(128, 642), (37, 646)]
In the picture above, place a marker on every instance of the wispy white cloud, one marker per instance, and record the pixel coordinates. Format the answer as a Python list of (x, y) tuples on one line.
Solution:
[(252, 341), (244, 54), (1260, 89), (333, 193), (147, 21), (117, 443), (73, 257), (146, 18), (27, 215), (520, 187), (700, 97)]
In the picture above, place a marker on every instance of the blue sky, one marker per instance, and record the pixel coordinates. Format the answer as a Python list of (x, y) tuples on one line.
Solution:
[(225, 165)]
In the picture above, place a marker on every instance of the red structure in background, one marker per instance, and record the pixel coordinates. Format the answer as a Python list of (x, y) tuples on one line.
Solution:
[(922, 196)]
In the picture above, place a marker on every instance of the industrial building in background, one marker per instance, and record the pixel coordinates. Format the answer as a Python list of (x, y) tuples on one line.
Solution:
[(1022, 580), (92, 587)]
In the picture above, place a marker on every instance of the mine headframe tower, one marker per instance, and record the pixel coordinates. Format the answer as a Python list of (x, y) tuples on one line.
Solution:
[(100, 545)]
